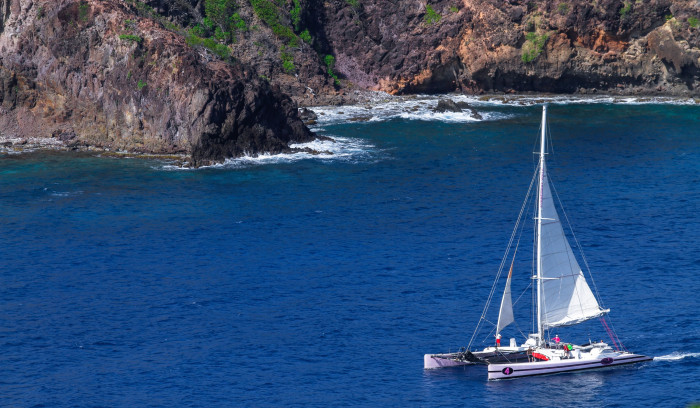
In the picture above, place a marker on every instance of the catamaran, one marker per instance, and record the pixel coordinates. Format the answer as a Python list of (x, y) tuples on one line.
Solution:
[(563, 298)]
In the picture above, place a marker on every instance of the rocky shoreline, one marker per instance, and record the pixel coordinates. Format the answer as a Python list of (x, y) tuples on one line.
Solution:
[(368, 101), (209, 80)]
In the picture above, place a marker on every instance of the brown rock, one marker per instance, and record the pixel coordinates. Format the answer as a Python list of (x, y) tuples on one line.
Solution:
[(67, 73)]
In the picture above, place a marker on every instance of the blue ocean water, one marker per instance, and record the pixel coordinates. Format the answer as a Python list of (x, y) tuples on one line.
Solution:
[(322, 281)]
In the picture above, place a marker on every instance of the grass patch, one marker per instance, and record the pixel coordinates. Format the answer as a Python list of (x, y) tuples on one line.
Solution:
[(693, 21), (209, 43), (295, 14), (563, 8), (453, 9), (288, 62), (83, 10), (305, 36), (329, 60), (130, 37), (268, 12), (140, 85), (624, 11), (533, 46), (238, 23), (431, 16)]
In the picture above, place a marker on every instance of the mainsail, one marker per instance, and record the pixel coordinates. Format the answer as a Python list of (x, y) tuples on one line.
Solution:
[(565, 297), (505, 316)]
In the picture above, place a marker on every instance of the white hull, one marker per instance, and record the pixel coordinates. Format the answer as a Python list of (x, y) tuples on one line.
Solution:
[(431, 361), (505, 371)]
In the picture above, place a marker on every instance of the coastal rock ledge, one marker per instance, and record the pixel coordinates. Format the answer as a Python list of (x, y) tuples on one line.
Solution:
[(95, 74)]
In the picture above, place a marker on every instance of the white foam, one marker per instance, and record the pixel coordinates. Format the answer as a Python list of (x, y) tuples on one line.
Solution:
[(676, 356), (338, 149), (422, 107), (415, 108)]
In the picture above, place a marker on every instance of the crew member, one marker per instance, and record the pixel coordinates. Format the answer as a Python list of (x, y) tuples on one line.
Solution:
[(498, 340)]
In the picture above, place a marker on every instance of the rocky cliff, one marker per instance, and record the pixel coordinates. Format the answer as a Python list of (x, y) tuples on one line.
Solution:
[(211, 79), (100, 74), (472, 46)]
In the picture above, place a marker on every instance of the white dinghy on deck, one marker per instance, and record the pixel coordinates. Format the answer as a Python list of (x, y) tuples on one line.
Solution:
[(562, 298)]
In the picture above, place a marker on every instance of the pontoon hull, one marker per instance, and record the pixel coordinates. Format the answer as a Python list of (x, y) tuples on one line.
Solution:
[(506, 371), (431, 361)]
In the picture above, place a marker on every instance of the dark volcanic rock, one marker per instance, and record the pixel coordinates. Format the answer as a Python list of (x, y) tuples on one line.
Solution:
[(447, 105), (307, 114), (77, 71)]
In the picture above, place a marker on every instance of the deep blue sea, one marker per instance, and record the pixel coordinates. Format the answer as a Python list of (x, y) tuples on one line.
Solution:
[(322, 280)]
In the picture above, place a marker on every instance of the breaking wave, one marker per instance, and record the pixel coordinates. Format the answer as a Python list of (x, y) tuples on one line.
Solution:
[(384, 107), (338, 149)]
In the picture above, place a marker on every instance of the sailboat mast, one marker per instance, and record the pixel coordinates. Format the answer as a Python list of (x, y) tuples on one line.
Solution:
[(540, 332)]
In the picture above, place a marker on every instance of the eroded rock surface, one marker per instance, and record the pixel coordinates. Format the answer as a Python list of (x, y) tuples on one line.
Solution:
[(95, 73)]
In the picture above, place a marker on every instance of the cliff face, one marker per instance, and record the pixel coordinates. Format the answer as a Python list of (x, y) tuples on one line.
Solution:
[(621, 46), (95, 73), (212, 79), (498, 45)]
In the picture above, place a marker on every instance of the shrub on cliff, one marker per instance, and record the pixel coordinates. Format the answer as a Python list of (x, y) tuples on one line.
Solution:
[(130, 37), (533, 46), (431, 16), (268, 12)]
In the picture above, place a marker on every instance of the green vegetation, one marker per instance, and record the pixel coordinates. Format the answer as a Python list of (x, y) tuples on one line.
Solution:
[(40, 13), (238, 22), (268, 12), (83, 10), (209, 43), (353, 3), (453, 9), (141, 85), (287, 62), (128, 75), (221, 21), (295, 14), (219, 11), (533, 46), (306, 36), (431, 16), (129, 37), (330, 63), (563, 8), (693, 21), (668, 17), (624, 11)]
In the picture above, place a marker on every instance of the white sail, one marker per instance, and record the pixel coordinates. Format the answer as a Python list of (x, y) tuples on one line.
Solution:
[(505, 316), (565, 298)]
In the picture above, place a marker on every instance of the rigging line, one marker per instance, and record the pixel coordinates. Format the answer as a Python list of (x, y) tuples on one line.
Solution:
[(521, 332), (610, 334), (503, 261), (521, 295), (585, 262), (534, 306), (568, 254)]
